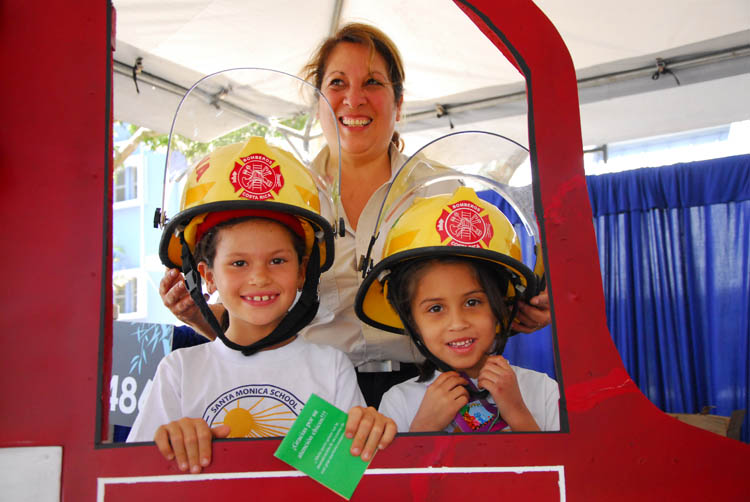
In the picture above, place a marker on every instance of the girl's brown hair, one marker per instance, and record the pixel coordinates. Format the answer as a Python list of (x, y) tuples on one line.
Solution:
[(370, 37)]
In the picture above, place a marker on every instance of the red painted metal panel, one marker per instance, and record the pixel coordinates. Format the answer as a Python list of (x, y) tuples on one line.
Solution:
[(54, 146), (55, 204)]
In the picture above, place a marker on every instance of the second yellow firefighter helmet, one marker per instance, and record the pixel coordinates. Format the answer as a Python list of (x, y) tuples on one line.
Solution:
[(457, 224)]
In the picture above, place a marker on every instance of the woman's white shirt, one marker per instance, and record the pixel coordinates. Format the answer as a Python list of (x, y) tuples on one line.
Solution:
[(336, 323)]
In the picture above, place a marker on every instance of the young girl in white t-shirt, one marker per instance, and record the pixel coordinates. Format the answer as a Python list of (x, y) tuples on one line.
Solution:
[(250, 227), (452, 284)]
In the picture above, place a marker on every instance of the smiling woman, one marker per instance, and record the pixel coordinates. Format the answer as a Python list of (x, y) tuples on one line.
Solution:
[(360, 71), (366, 109)]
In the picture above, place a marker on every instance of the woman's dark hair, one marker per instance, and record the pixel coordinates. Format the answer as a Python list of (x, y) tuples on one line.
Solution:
[(402, 284), (205, 249), (376, 41)]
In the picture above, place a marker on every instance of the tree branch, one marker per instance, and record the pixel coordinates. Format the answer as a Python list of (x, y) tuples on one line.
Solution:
[(130, 146)]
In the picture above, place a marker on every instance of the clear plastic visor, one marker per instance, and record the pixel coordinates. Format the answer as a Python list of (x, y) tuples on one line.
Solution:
[(231, 106), (480, 160)]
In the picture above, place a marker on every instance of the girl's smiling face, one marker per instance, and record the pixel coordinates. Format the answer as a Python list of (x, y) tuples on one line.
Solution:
[(257, 272), (356, 84), (453, 315)]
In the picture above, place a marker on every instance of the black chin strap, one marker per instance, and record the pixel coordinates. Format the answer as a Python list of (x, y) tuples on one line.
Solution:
[(298, 316), (193, 284)]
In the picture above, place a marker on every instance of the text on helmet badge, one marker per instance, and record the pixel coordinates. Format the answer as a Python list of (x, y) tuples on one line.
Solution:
[(462, 224), (257, 176)]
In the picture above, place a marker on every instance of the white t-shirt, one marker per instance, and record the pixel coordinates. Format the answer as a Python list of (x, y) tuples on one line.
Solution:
[(257, 396), (540, 393)]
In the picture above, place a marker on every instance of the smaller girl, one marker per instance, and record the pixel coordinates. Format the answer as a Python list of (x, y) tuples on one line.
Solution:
[(457, 303)]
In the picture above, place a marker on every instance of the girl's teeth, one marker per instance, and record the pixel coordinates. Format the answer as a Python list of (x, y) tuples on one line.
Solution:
[(462, 344), (260, 298)]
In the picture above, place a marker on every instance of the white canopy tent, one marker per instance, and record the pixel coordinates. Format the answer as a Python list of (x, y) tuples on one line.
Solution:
[(615, 46)]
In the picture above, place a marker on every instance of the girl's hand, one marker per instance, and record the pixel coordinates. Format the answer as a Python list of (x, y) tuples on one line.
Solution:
[(444, 397), (499, 378), (188, 442), (370, 430)]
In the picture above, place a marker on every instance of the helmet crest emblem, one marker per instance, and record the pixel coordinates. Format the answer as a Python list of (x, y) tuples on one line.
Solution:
[(463, 224), (257, 176)]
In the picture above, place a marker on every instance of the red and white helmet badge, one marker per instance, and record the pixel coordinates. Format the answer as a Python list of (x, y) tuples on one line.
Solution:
[(259, 178), (462, 224)]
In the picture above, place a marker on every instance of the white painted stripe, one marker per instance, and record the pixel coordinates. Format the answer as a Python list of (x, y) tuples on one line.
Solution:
[(171, 478)]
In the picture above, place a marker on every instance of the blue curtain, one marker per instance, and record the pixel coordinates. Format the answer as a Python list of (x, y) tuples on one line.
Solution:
[(674, 245)]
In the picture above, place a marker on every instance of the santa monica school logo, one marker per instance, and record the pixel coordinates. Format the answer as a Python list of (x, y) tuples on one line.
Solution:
[(462, 224), (254, 411), (257, 176)]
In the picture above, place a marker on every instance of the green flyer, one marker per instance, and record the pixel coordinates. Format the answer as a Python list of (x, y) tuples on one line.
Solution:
[(317, 446)]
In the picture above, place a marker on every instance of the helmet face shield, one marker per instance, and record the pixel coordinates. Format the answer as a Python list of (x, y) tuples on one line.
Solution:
[(477, 159), (230, 107), (447, 201)]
